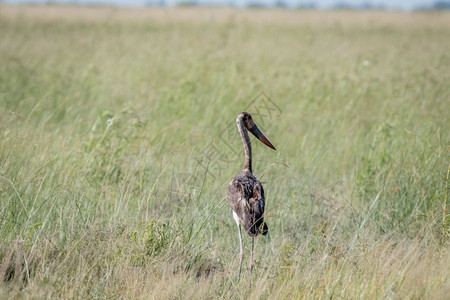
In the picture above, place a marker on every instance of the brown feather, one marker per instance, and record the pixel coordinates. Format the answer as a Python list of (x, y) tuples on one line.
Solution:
[(246, 198)]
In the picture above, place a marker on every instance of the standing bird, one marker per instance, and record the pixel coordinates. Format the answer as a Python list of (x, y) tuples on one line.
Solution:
[(245, 192)]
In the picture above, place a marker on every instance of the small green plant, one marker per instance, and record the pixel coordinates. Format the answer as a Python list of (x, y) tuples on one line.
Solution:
[(153, 237)]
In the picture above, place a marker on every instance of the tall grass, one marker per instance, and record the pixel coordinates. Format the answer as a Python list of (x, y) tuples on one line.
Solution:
[(104, 122)]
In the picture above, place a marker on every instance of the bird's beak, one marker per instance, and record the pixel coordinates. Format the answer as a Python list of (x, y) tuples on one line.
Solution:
[(260, 136)]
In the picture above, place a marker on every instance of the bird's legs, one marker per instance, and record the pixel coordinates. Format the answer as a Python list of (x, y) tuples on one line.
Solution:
[(241, 247), (241, 251), (251, 262)]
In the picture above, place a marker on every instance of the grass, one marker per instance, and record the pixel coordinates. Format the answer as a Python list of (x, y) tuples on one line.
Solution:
[(107, 112)]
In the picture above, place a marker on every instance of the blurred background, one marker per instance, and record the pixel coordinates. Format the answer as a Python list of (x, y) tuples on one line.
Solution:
[(404, 5)]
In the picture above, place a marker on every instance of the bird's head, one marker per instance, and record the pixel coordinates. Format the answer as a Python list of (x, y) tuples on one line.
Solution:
[(246, 119)]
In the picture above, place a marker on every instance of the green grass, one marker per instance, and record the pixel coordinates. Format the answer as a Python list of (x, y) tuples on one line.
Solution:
[(105, 113)]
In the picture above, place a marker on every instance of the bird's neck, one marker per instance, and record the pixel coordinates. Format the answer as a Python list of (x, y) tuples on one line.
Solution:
[(247, 146)]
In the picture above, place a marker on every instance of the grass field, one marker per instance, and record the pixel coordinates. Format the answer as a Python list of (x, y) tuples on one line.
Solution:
[(118, 142)]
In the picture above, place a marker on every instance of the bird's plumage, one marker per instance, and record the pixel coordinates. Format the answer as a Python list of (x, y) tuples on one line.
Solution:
[(246, 198)]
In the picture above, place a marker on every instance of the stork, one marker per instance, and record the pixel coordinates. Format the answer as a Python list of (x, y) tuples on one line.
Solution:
[(245, 192)]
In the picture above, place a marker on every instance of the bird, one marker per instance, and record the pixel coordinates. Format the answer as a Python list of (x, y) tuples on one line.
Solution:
[(245, 192)]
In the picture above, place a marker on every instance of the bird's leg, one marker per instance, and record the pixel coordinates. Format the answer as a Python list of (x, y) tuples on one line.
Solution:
[(251, 262), (241, 251)]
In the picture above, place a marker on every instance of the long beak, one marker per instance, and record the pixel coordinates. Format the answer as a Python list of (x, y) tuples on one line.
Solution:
[(260, 136)]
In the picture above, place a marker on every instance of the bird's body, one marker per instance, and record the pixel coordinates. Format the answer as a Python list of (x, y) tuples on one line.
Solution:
[(246, 198), (245, 192)]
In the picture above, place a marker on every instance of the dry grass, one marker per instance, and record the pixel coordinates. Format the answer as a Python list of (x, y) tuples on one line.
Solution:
[(106, 111)]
